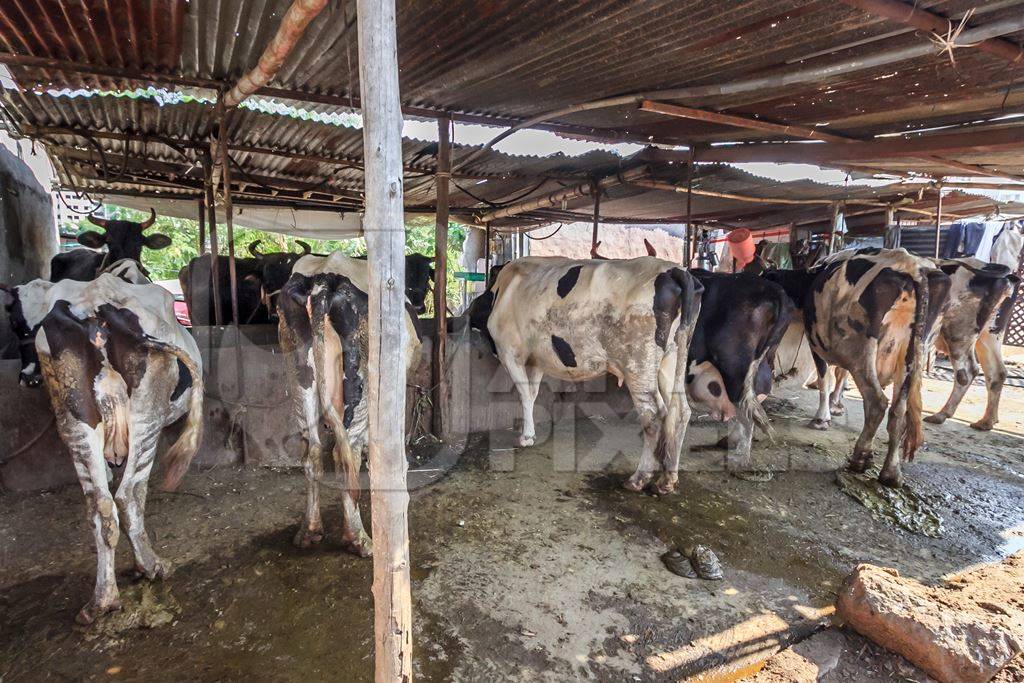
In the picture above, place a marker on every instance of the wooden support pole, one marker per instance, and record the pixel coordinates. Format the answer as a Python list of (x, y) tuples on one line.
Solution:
[(202, 229), (211, 212), (385, 240), (222, 138), (938, 218), (439, 376), (596, 191)]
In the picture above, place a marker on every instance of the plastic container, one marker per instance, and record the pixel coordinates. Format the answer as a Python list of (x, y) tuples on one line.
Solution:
[(741, 246)]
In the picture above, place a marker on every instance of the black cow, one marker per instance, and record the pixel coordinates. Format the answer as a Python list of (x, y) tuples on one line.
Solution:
[(742, 320), (195, 279), (123, 240), (275, 269)]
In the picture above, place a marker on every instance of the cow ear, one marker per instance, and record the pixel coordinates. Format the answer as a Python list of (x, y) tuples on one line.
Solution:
[(92, 239), (157, 241)]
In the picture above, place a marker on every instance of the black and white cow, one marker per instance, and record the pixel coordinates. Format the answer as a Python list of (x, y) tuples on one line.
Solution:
[(322, 327), (742, 320), (122, 239), (581, 319), (118, 368), (971, 330), (419, 274), (870, 312), (25, 311)]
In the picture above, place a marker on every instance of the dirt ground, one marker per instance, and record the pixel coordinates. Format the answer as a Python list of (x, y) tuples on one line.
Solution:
[(527, 564)]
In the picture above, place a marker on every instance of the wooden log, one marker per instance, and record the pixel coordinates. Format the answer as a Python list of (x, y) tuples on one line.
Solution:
[(385, 237), (211, 210), (202, 229), (922, 19), (596, 191), (222, 136), (439, 358), (938, 218)]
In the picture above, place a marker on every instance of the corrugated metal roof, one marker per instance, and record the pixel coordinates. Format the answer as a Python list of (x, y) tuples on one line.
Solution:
[(502, 59)]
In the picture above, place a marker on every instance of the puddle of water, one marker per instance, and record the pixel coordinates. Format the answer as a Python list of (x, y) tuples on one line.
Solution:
[(902, 507), (740, 536)]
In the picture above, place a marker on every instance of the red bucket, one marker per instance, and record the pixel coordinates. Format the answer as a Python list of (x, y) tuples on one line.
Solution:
[(741, 246)]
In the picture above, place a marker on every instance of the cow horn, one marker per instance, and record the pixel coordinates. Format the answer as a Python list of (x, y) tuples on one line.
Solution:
[(254, 249), (99, 222), (651, 251), (306, 249), (145, 225)]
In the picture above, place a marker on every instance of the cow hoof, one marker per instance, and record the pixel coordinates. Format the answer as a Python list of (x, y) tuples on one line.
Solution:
[(983, 425), (936, 419), (891, 480), (860, 463), (359, 544), (665, 484), (819, 424), (838, 410), (526, 441), (636, 483), (307, 538), (94, 610)]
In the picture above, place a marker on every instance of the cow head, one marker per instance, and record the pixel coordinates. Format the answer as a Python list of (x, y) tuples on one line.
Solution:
[(796, 283), (418, 276), (123, 239), (275, 269), (25, 306)]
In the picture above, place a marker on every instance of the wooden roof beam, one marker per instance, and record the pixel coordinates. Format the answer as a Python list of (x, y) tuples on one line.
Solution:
[(923, 20), (962, 142), (798, 131)]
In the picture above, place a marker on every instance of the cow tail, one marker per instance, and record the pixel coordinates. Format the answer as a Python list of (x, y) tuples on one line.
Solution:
[(329, 385), (180, 454), (913, 436)]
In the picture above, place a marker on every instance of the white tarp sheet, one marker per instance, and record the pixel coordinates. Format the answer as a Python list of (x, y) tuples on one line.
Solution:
[(321, 225)]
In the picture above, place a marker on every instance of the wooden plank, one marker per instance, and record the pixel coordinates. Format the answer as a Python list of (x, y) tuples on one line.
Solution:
[(970, 142), (222, 136), (439, 359), (382, 154)]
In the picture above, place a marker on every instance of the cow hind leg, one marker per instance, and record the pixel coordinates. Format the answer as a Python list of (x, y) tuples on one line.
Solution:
[(875, 404), (965, 369), (646, 405), (131, 498), (311, 530), (892, 472), (823, 418), (353, 535), (86, 446), (990, 352), (836, 405)]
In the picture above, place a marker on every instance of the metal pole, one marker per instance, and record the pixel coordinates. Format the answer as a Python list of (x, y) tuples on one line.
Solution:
[(688, 234), (596, 190), (487, 254), (389, 497), (211, 210), (938, 218), (440, 381)]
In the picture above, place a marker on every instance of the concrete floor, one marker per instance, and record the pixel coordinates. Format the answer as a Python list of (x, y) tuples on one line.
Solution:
[(527, 564)]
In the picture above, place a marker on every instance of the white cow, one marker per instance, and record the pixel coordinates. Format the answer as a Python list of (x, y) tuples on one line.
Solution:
[(118, 368), (580, 319)]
